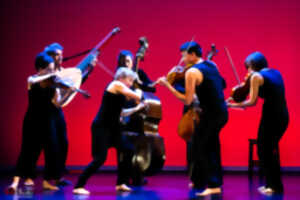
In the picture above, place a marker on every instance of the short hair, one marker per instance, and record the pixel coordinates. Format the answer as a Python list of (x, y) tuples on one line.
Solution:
[(52, 48), (124, 72), (191, 47), (121, 58), (42, 60), (256, 61)]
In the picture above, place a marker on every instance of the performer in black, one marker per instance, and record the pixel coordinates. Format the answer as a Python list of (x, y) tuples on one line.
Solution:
[(106, 131), (135, 122), (126, 59), (204, 80), (39, 127), (268, 84), (55, 50)]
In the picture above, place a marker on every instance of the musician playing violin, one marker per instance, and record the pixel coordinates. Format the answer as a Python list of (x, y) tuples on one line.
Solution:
[(55, 50), (203, 79), (268, 84), (40, 127)]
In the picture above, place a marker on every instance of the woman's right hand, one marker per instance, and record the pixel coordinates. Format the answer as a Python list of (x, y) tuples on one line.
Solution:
[(142, 105)]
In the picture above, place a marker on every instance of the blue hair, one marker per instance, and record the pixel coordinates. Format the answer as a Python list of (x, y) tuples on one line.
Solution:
[(121, 57), (52, 48), (190, 47), (256, 61), (42, 60)]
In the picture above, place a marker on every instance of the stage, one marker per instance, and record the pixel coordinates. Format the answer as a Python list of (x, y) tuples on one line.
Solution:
[(170, 186), (243, 27)]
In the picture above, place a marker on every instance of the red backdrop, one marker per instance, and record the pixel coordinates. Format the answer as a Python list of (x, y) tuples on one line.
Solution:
[(271, 27)]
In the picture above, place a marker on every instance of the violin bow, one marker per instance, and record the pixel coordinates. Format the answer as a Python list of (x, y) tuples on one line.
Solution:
[(232, 65), (104, 68)]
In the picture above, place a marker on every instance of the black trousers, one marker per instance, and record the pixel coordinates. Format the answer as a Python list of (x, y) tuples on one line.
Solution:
[(206, 170), (102, 139), (271, 129), (38, 137), (136, 176), (62, 140)]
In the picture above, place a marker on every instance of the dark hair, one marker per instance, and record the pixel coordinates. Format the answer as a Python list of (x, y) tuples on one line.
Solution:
[(42, 60), (122, 56), (52, 48), (190, 47), (256, 61)]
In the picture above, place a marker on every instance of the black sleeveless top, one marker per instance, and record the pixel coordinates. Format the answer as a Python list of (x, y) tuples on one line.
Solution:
[(273, 93), (210, 91), (40, 101), (41, 115), (110, 110)]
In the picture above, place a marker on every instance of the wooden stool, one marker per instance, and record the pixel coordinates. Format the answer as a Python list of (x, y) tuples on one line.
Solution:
[(251, 161)]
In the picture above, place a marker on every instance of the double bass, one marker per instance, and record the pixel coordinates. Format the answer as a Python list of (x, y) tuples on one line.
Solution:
[(149, 156)]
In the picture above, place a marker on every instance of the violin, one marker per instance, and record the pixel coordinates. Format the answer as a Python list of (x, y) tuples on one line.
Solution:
[(62, 80), (178, 73), (239, 92)]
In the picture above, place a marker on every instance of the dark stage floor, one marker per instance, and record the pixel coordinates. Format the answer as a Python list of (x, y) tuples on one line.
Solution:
[(165, 186)]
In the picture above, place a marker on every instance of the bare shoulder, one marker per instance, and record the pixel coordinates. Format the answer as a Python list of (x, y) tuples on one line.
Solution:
[(30, 78), (193, 73), (257, 78), (115, 86), (118, 84)]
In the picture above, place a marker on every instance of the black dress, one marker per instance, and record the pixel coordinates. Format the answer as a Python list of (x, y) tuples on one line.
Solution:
[(106, 133), (274, 122), (206, 170), (39, 133)]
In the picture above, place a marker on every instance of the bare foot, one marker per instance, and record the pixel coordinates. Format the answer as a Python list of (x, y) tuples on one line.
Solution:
[(81, 191), (265, 191), (49, 186), (123, 188), (12, 189), (209, 191), (191, 185), (261, 188), (29, 182)]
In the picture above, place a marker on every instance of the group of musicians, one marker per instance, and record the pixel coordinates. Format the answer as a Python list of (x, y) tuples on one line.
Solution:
[(44, 127)]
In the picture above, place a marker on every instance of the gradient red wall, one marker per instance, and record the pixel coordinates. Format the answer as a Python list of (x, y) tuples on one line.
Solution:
[(271, 27)]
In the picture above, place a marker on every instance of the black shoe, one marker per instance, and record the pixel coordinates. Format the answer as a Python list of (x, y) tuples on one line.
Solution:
[(140, 182), (63, 182)]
